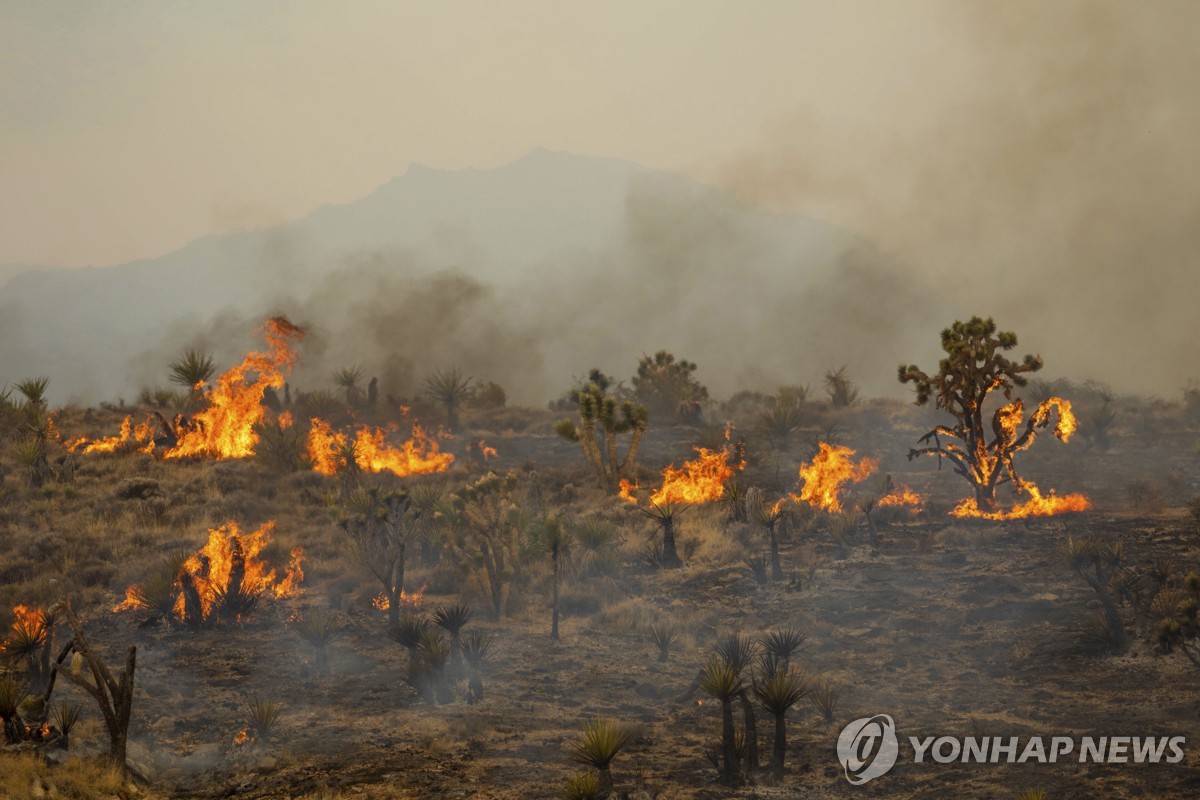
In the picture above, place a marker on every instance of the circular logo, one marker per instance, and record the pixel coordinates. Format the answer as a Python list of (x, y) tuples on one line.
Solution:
[(867, 748)]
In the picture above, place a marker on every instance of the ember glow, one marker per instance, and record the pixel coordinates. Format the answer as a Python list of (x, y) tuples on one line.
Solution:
[(230, 562), (1037, 505), (28, 625), (225, 429), (901, 497), (138, 437), (832, 466), (701, 480), (626, 489), (419, 455)]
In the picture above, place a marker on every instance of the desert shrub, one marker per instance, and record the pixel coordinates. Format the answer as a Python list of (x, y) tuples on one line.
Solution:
[(667, 389)]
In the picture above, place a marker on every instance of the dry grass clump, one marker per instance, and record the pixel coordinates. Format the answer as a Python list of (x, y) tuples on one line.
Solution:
[(25, 775)]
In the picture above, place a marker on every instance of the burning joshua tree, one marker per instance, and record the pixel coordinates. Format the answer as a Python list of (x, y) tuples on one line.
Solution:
[(973, 368)]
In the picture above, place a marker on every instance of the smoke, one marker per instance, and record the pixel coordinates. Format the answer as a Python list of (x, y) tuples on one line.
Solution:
[(1041, 170)]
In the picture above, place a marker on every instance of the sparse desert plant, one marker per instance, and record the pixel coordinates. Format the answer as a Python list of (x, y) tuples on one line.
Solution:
[(1097, 561), (407, 631), (722, 682), (476, 649), (263, 715), (1033, 794), (347, 379), (843, 529), (601, 419), (584, 786), (29, 644), (192, 369), (824, 694), (284, 448), (779, 422), (452, 389), (776, 694), (596, 543), (12, 694), (973, 368), (666, 387), (429, 676), (489, 523), (842, 391), (452, 619), (65, 716), (664, 633), (758, 565), (1173, 612), (319, 629), (1144, 495), (599, 743), (557, 541), (34, 391)]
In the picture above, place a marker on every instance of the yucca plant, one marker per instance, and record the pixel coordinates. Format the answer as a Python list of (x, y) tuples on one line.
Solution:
[(430, 677), (782, 643), (767, 516), (602, 739), (65, 717), (319, 629), (664, 633), (758, 565), (347, 379), (34, 390), (30, 642), (158, 594), (12, 695), (30, 453), (407, 632), (263, 716), (452, 619), (824, 695), (596, 542), (584, 786), (776, 694), (451, 388), (664, 516), (1097, 561), (192, 368), (721, 681), (737, 650), (476, 649), (1033, 794)]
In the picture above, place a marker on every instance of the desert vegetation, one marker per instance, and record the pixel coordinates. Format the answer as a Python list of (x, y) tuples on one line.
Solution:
[(280, 591)]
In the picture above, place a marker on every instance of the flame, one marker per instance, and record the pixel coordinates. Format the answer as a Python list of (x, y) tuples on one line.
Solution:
[(830, 468), (139, 437), (1038, 505), (420, 455), (902, 497), (242, 738), (28, 623), (407, 599), (701, 480), (625, 490), (284, 420), (485, 450), (212, 569), (225, 429)]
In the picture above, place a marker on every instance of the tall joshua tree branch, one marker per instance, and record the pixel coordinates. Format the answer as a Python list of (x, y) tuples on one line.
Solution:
[(601, 419)]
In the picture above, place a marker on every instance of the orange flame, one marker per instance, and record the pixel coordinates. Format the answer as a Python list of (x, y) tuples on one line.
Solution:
[(138, 437), (420, 455), (1038, 505), (832, 466), (902, 497), (407, 599), (701, 480), (242, 738), (225, 429), (29, 623), (626, 489), (211, 570), (485, 450), (285, 420)]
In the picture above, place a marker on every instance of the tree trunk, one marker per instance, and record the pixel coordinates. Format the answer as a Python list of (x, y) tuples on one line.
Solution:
[(750, 724), (670, 558), (606, 783), (730, 775), (554, 602), (779, 751), (776, 567)]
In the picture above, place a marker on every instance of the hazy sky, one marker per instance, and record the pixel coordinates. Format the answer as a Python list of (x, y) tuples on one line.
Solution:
[(129, 128)]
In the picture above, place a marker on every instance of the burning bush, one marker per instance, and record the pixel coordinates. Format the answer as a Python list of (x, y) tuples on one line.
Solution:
[(973, 368), (224, 580)]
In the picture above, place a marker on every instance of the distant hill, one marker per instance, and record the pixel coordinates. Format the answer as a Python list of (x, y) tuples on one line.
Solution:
[(526, 274)]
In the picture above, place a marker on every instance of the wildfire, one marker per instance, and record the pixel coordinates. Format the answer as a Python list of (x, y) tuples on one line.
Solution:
[(228, 565), (407, 599), (626, 489), (1038, 505), (830, 468), (225, 429), (29, 625), (701, 480), (901, 497), (138, 437), (242, 738), (420, 455), (484, 450)]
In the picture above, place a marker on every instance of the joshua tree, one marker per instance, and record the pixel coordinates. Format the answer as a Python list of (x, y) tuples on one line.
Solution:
[(667, 388), (450, 388), (721, 681), (973, 368), (381, 527), (347, 379), (767, 517), (776, 694), (192, 369), (490, 524), (841, 390), (598, 745), (664, 517), (114, 696), (600, 445), (1174, 610), (557, 541), (1097, 562)]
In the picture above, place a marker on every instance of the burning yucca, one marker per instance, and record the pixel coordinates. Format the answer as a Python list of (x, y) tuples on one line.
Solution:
[(225, 579)]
